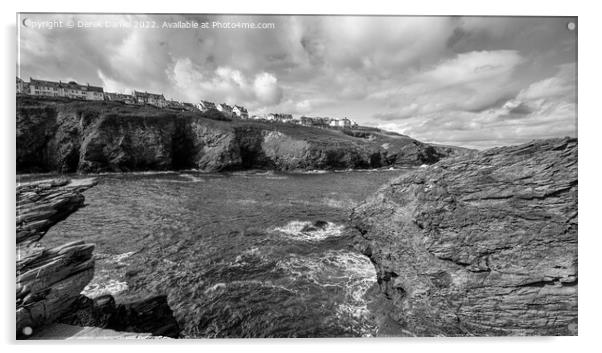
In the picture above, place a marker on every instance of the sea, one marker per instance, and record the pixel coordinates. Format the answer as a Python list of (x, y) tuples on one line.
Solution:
[(240, 254)]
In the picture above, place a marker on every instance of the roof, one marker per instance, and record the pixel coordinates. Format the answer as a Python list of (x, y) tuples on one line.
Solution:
[(149, 95), (70, 84), (241, 108), (44, 83)]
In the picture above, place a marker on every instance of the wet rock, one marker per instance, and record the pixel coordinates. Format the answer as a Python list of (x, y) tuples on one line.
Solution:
[(148, 315), (481, 246), (48, 280), (317, 225)]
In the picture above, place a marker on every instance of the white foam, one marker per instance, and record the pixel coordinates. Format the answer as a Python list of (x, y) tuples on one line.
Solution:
[(295, 230), (192, 178), (340, 268), (112, 287)]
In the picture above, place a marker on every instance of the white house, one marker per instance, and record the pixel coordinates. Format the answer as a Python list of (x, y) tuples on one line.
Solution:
[(205, 106), (279, 117), (343, 123), (240, 112), (225, 109)]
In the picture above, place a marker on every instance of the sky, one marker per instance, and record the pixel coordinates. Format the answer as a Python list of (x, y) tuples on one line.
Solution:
[(476, 82)]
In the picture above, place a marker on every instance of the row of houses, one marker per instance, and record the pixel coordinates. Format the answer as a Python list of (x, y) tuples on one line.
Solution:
[(59, 89), (75, 90), (327, 122), (225, 109)]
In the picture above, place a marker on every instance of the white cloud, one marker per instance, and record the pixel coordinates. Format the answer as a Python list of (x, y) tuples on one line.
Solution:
[(435, 78), (266, 89)]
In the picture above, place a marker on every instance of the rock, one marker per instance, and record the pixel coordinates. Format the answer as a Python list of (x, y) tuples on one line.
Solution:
[(48, 281), (147, 315), (70, 332), (481, 246), (317, 225), (75, 136), (40, 205)]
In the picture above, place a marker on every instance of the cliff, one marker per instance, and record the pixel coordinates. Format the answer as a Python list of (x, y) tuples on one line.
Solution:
[(482, 246), (78, 136)]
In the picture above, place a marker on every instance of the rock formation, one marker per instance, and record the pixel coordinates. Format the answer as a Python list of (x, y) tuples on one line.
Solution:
[(69, 136), (481, 246), (48, 280)]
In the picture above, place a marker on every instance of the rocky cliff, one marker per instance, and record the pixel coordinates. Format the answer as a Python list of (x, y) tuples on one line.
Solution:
[(48, 281), (482, 246), (69, 136)]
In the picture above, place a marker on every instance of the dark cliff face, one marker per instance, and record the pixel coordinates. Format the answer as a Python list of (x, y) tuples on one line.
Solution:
[(484, 246), (74, 136)]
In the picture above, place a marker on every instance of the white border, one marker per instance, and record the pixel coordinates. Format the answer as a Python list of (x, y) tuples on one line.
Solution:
[(589, 135)]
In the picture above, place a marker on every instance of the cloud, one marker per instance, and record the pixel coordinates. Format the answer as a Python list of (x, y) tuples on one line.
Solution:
[(224, 84), (546, 108), (266, 89), (475, 81)]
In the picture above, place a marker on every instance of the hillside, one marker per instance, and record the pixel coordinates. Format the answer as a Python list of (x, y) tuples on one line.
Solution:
[(84, 136)]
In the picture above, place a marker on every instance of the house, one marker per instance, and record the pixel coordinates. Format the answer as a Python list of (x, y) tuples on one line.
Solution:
[(93, 93), (173, 104), (240, 112), (283, 118), (157, 100), (342, 123), (45, 88), (205, 106), (70, 89), (120, 97), (225, 109), (306, 121), (22, 86), (190, 107)]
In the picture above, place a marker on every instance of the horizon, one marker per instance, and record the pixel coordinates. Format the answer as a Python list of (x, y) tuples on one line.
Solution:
[(475, 82)]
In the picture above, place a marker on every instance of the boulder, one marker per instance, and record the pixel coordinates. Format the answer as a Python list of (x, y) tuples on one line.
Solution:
[(480, 246)]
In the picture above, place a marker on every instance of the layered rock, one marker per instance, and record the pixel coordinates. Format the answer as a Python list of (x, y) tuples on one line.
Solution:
[(48, 281), (481, 246), (69, 136)]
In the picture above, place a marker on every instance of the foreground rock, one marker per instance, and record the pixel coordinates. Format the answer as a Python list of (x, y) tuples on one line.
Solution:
[(150, 315), (483, 246), (70, 332), (69, 136), (48, 280)]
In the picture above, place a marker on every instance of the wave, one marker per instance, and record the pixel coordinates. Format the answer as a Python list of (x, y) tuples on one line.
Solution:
[(111, 286), (103, 281), (192, 178), (309, 231), (338, 268)]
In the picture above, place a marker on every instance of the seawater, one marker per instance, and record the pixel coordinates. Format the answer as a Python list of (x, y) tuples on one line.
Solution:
[(245, 254)]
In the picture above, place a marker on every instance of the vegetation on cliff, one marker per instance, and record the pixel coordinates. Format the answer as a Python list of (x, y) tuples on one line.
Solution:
[(74, 136)]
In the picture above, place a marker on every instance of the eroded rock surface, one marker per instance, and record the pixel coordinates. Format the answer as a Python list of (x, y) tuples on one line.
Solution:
[(75, 136), (483, 246), (48, 280)]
